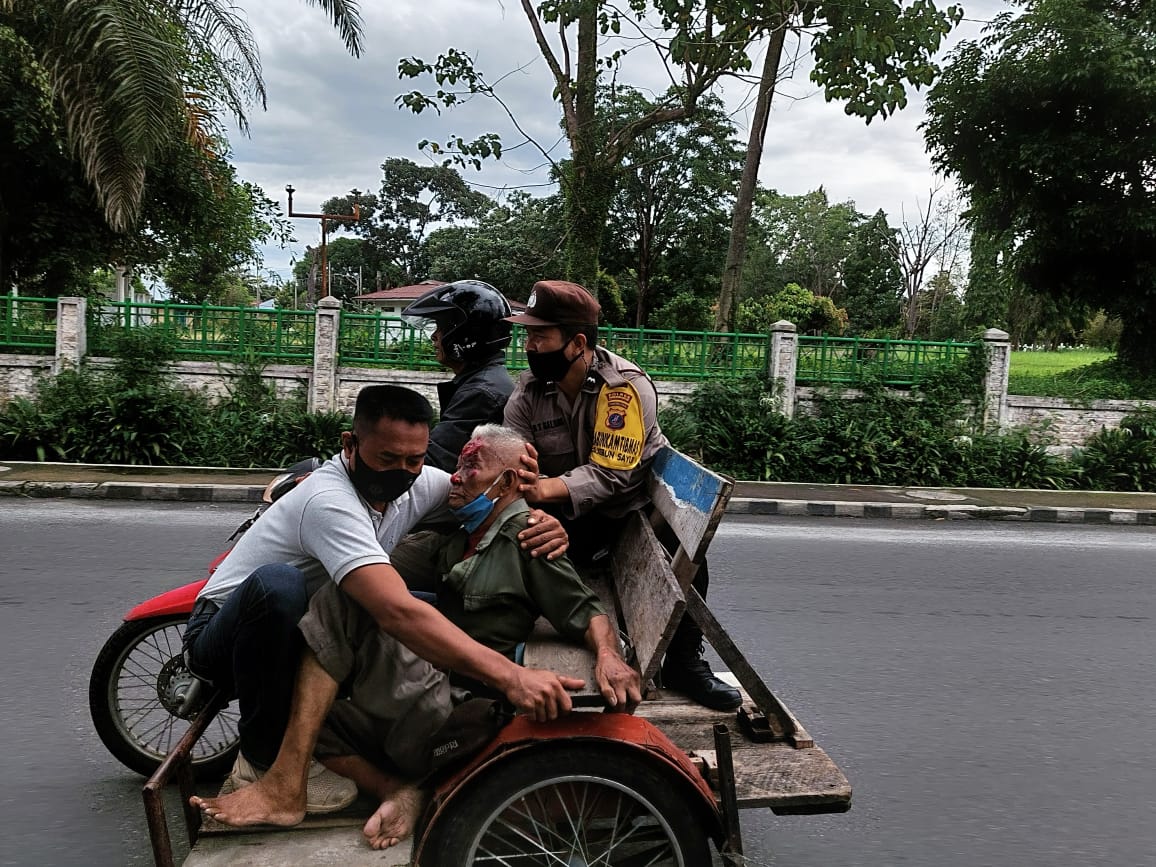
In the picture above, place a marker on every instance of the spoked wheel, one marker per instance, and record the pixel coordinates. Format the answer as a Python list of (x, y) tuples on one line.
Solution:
[(136, 693), (573, 806)]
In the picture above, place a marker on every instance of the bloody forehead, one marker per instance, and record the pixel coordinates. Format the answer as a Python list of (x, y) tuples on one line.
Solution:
[(471, 450)]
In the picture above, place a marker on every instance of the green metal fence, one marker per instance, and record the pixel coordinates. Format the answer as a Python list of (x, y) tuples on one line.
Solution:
[(27, 325), (379, 339), (203, 330), (390, 341), (850, 360)]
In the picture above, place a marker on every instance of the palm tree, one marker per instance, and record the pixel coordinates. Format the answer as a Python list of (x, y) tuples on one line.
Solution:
[(131, 76)]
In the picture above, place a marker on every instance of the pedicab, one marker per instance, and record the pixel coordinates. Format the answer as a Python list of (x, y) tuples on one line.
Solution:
[(662, 787)]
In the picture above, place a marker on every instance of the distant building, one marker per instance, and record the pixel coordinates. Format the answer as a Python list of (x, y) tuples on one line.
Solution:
[(393, 301)]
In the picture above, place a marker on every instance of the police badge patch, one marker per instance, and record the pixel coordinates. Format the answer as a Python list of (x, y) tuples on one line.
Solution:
[(619, 430)]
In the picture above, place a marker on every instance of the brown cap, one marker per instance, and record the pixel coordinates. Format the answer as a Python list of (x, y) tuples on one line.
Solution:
[(557, 302)]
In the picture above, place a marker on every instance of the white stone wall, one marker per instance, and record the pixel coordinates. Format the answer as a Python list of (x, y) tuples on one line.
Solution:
[(215, 378), (1066, 423), (19, 373)]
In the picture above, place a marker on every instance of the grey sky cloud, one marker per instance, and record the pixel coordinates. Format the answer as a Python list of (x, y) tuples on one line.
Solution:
[(332, 119)]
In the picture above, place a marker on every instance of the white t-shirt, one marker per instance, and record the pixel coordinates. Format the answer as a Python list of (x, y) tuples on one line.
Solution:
[(326, 529)]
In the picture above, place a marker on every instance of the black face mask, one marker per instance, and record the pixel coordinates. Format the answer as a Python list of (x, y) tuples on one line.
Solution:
[(551, 366), (379, 486)]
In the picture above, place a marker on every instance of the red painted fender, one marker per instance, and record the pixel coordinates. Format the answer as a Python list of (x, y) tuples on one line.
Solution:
[(601, 730), (177, 601)]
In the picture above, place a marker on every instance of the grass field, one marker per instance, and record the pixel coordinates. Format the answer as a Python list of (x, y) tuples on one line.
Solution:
[(1077, 374), (1051, 363)]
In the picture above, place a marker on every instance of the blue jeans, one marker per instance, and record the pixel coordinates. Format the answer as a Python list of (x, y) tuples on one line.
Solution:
[(251, 649)]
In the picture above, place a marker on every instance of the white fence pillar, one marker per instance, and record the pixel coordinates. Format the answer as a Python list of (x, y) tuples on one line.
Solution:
[(323, 387), (71, 333), (782, 362), (998, 345)]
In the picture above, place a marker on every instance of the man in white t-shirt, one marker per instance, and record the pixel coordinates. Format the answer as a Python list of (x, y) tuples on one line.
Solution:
[(339, 525)]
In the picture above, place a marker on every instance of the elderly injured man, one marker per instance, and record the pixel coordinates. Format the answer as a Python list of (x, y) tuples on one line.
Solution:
[(391, 710)]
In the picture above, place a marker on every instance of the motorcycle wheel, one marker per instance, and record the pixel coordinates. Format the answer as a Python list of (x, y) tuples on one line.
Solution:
[(134, 695), (569, 805)]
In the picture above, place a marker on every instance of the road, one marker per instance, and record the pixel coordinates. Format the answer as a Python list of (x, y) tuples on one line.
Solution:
[(988, 688)]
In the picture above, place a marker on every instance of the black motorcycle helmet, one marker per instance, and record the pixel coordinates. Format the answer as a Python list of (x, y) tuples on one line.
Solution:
[(470, 315)]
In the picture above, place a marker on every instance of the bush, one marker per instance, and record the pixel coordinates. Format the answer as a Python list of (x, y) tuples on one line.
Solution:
[(931, 437), (134, 414)]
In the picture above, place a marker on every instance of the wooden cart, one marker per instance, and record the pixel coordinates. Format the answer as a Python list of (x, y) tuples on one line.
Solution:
[(593, 787)]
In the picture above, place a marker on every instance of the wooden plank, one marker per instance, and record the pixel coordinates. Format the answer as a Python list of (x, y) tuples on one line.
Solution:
[(782, 722), (545, 648), (775, 775), (652, 602), (690, 498)]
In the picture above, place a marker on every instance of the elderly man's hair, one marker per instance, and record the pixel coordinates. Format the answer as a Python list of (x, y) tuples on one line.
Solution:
[(503, 442)]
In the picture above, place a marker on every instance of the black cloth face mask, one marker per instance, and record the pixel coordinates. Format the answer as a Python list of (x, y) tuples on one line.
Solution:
[(551, 366), (379, 486)]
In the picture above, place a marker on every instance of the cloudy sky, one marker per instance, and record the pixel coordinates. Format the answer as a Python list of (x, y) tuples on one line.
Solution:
[(332, 119)]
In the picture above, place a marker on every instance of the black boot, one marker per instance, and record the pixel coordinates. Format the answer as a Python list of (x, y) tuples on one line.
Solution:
[(685, 670)]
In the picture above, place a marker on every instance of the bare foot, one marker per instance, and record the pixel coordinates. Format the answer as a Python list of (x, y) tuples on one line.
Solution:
[(259, 803), (395, 818)]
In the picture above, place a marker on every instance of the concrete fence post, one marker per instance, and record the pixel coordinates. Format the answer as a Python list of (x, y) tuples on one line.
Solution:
[(323, 386), (781, 364), (998, 345), (71, 333)]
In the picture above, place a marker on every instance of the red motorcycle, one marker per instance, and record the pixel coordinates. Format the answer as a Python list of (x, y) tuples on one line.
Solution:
[(141, 694)]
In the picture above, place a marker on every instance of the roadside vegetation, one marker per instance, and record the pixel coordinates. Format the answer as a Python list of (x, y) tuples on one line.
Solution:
[(931, 436), (134, 413)]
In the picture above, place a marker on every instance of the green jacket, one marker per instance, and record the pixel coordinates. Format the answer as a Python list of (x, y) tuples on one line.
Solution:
[(495, 595)]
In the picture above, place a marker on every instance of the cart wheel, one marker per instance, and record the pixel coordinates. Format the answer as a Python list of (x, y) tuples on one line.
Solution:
[(135, 694), (570, 805)]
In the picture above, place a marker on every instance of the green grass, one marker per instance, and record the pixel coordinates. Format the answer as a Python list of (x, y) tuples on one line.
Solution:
[(1076, 374), (1050, 363)]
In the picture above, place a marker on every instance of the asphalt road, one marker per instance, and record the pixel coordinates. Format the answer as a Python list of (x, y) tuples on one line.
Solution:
[(988, 689)]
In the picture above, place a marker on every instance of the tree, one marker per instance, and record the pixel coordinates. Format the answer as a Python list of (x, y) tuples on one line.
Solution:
[(1047, 125), (512, 246), (353, 269), (412, 202), (794, 303), (872, 287), (934, 240), (130, 77), (671, 193)]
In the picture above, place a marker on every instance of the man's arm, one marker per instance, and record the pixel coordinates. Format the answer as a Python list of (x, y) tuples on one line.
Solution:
[(617, 681), (382, 593), (574, 610)]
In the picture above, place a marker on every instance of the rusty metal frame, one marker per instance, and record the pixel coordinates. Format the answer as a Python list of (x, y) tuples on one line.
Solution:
[(177, 763)]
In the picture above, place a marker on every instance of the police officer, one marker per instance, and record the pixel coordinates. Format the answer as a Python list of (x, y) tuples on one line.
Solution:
[(592, 417), (470, 340)]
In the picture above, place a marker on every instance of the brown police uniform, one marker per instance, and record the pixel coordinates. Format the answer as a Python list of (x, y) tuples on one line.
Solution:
[(602, 455)]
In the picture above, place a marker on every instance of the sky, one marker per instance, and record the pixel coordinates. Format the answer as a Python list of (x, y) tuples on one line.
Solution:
[(332, 119)]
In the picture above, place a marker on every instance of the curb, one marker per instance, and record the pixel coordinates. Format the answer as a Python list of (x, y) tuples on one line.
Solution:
[(219, 493), (158, 491), (916, 511)]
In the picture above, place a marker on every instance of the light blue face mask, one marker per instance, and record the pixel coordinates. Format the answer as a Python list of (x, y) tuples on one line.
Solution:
[(473, 513)]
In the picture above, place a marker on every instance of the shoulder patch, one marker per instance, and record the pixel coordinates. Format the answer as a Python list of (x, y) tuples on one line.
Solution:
[(619, 431)]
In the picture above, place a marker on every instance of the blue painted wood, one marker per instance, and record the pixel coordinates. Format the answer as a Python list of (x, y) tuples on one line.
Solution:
[(689, 483)]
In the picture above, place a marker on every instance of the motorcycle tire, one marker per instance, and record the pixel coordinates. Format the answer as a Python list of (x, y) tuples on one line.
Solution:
[(134, 695), (577, 804)]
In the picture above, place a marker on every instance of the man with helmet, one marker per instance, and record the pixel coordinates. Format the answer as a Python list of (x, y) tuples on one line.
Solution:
[(592, 417), (471, 336)]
